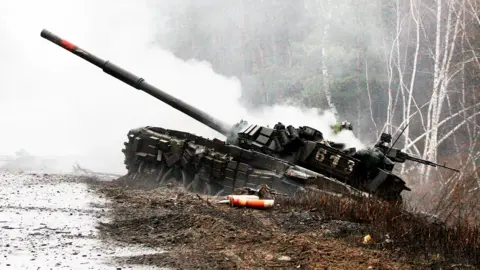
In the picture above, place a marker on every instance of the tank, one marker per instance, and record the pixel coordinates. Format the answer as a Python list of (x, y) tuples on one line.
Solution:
[(288, 159)]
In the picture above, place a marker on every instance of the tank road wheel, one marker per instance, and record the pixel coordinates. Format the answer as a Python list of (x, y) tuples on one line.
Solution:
[(161, 169), (165, 174), (131, 162), (214, 189), (197, 185), (187, 178)]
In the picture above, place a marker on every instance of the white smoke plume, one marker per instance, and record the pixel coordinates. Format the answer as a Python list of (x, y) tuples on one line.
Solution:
[(53, 103)]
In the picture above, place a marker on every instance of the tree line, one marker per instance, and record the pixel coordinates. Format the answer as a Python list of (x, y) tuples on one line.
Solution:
[(395, 63)]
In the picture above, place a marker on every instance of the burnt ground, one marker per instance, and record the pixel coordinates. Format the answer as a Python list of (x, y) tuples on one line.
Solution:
[(195, 232)]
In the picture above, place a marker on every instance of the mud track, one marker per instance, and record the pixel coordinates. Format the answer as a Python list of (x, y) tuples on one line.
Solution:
[(197, 233)]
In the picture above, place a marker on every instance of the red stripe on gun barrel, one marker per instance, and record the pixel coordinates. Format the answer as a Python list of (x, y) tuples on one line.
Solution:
[(67, 45)]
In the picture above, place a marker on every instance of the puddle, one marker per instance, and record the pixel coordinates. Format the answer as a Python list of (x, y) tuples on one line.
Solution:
[(47, 224)]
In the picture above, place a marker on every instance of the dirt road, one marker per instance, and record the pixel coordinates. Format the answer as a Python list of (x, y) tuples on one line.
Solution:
[(49, 222)]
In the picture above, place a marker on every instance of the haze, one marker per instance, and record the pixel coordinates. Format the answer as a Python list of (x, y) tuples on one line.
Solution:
[(53, 103)]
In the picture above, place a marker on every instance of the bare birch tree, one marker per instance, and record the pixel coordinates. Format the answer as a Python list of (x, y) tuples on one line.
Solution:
[(326, 8), (411, 42)]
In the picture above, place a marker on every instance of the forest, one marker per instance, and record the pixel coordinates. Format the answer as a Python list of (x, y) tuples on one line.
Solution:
[(382, 65)]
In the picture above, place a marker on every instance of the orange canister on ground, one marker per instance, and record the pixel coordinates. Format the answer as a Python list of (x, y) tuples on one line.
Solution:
[(246, 197), (240, 202), (260, 204)]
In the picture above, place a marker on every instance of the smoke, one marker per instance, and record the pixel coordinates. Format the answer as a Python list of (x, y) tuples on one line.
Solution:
[(289, 115), (54, 104)]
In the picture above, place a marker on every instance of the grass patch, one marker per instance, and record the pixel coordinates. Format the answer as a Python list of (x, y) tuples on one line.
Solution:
[(399, 229)]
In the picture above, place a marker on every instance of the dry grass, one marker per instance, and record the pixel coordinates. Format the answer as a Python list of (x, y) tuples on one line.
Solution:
[(458, 199), (453, 199), (412, 233)]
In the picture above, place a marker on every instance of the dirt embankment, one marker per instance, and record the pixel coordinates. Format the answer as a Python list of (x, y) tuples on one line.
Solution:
[(197, 233)]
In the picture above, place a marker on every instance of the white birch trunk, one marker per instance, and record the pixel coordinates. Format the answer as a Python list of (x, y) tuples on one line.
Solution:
[(388, 127), (433, 105), (440, 81), (325, 73), (415, 12)]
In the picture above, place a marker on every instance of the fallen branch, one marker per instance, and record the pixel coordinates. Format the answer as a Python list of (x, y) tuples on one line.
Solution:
[(80, 170)]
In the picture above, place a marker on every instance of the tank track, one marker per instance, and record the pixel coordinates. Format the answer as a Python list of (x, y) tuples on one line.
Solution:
[(215, 168)]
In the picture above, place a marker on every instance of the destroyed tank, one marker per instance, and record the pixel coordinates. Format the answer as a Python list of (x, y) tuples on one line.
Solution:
[(287, 159)]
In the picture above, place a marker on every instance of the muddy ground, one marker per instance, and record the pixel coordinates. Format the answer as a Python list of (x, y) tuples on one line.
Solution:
[(197, 233), (69, 222)]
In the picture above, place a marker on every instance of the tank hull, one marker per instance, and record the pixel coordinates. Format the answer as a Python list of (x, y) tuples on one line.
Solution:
[(211, 166)]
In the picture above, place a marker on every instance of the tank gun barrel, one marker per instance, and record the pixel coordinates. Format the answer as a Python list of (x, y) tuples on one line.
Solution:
[(398, 155), (423, 161), (138, 83)]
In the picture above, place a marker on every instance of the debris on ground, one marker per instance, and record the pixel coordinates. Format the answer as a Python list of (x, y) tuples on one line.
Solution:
[(263, 192), (261, 198), (367, 239), (78, 170)]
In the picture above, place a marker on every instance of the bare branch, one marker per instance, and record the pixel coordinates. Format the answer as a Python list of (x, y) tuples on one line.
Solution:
[(441, 123), (415, 14), (475, 14), (417, 151), (369, 97), (457, 127)]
